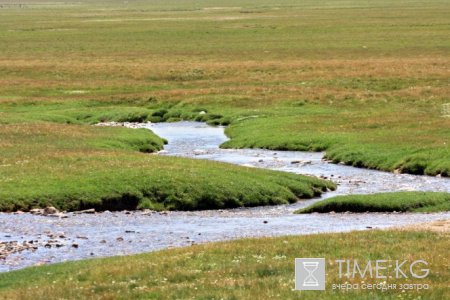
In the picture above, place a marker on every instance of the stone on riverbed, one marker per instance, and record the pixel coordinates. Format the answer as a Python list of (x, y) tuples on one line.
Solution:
[(147, 212), (50, 210), (58, 215), (86, 211), (7, 248), (36, 211)]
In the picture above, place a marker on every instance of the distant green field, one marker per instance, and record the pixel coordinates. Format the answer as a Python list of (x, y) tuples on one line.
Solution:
[(364, 81)]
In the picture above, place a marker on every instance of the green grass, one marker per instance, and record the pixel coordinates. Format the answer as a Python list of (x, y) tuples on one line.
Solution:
[(364, 81), (243, 269), (383, 202), (75, 167), (51, 157), (346, 77)]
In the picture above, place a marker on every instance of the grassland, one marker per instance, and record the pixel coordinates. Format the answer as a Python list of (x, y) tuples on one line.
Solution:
[(244, 269), (363, 81), (383, 202)]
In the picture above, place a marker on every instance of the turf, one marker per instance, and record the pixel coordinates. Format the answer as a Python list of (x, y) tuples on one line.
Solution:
[(383, 202), (75, 167), (346, 77), (243, 269)]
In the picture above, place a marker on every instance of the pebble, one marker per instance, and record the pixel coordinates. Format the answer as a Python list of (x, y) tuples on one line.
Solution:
[(86, 211), (7, 248), (50, 210), (58, 215), (148, 212), (36, 211)]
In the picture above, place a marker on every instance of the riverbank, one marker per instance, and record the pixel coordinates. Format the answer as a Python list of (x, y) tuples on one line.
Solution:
[(369, 95), (75, 167), (440, 226), (46, 237), (383, 202), (244, 269)]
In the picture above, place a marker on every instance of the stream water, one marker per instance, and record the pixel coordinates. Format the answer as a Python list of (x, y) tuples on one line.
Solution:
[(81, 236)]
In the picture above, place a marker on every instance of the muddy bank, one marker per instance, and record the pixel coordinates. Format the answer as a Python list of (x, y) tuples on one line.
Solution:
[(441, 226)]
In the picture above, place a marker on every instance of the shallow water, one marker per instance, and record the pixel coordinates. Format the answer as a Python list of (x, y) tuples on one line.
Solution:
[(119, 233), (185, 141)]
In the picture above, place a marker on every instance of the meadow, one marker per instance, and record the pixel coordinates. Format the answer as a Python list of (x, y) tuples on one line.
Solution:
[(365, 82), (245, 269)]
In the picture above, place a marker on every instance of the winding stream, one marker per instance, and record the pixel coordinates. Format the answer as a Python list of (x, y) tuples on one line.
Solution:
[(121, 233)]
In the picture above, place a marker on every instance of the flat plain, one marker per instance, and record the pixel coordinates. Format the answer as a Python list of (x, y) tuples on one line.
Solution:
[(365, 81)]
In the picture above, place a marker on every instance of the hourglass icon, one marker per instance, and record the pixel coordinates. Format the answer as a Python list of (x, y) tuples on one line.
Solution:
[(310, 267)]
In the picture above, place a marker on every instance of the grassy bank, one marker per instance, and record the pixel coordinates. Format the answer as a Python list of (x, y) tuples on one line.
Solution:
[(75, 167), (383, 202), (243, 269)]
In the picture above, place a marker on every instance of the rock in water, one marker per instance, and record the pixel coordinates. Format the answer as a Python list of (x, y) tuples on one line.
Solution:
[(86, 211), (50, 210), (36, 211)]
